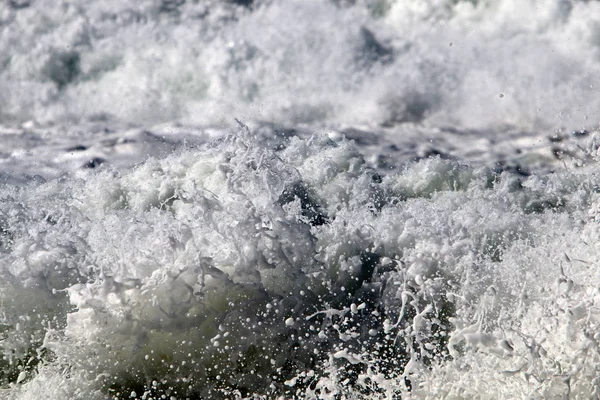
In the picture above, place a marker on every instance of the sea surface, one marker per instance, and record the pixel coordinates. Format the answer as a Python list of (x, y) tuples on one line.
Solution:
[(299, 199)]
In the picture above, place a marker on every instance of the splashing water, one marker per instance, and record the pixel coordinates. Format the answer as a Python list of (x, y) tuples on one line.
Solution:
[(354, 62), (396, 221), (232, 269)]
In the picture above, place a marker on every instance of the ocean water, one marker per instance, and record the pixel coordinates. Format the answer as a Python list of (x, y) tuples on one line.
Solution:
[(299, 199)]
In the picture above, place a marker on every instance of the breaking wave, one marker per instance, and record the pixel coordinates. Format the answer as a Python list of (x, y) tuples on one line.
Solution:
[(233, 270), (470, 64), (406, 214)]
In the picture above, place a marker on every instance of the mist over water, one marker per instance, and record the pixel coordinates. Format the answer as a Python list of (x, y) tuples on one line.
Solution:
[(299, 199)]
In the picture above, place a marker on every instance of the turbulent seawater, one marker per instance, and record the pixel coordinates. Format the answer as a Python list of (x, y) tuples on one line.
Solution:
[(299, 199)]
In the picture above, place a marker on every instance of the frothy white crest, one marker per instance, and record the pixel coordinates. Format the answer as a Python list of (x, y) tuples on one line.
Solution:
[(234, 269), (477, 64)]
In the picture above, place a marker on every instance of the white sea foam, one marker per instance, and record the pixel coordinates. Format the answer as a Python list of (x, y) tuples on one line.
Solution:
[(234, 268), (148, 248), (476, 64)]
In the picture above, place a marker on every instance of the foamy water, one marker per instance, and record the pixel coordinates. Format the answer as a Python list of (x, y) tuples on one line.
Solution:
[(406, 207), (375, 62)]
